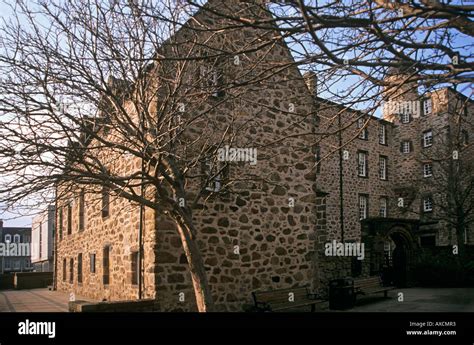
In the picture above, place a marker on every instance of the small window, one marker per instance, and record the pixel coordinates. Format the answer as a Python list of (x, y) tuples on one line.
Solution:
[(362, 164), (64, 270), (61, 223), (135, 267), (8, 264), (405, 117), (105, 201), (8, 238), (427, 169), (363, 134), (106, 265), (81, 210), (427, 106), (213, 175), (383, 207), (16, 238), (382, 134), (427, 138), (363, 206), (427, 204), (405, 147), (79, 268), (464, 137), (92, 262), (71, 271), (383, 167), (69, 219)]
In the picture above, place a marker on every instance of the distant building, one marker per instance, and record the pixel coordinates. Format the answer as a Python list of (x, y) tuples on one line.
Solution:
[(42, 243), (15, 244)]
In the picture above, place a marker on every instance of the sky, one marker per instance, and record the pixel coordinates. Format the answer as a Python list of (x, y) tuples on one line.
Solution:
[(14, 219)]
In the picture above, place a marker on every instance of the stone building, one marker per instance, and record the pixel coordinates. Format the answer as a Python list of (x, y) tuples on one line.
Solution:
[(15, 243), (42, 241), (271, 232)]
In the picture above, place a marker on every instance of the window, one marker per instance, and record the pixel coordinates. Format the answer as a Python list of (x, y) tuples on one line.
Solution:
[(17, 264), (211, 80), (363, 129), (8, 264), (213, 173), (64, 270), (105, 201), (135, 267), (8, 238), (356, 267), (61, 223), (383, 207), (382, 134), (362, 164), (427, 106), (363, 203), (405, 117), (427, 138), (427, 204), (69, 219), (383, 167), (106, 265), (71, 271), (81, 210), (79, 268), (464, 137), (16, 238), (405, 146), (92, 262), (427, 169)]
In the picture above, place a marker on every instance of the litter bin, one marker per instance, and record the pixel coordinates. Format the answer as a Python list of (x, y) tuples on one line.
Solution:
[(341, 293)]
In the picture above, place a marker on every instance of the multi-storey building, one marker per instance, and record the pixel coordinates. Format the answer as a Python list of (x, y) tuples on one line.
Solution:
[(338, 175), (15, 244), (42, 241)]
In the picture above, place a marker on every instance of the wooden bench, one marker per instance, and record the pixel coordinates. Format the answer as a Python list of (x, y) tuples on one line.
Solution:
[(282, 299), (371, 285)]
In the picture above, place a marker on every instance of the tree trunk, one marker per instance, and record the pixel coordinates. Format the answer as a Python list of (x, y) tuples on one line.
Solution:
[(202, 291)]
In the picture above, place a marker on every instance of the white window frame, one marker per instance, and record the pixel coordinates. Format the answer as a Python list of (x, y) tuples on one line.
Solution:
[(427, 169), (428, 138), (427, 204), (383, 167), (8, 238), (427, 106), (16, 238), (406, 147), (363, 202), (382, 134), (8, 264), (363, 129), (405, 117), (383, 207), (214, 184), (362, 164)]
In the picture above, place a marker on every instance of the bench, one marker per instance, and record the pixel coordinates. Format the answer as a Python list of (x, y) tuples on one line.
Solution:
[(371, 285), (282, 299)]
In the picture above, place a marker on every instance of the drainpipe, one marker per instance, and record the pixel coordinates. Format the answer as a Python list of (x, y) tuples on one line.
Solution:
[(55, 270), (341, 195)]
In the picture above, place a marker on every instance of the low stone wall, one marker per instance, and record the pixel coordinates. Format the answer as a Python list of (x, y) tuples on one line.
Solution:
[(33, 280), (116, 306), (7, 281)]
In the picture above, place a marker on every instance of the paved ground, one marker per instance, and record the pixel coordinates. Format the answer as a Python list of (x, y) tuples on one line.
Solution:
[(420, 300), (35, 300), (415, 300)]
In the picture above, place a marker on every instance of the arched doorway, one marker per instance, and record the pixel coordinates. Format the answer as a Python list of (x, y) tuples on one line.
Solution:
[(401, 253)]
